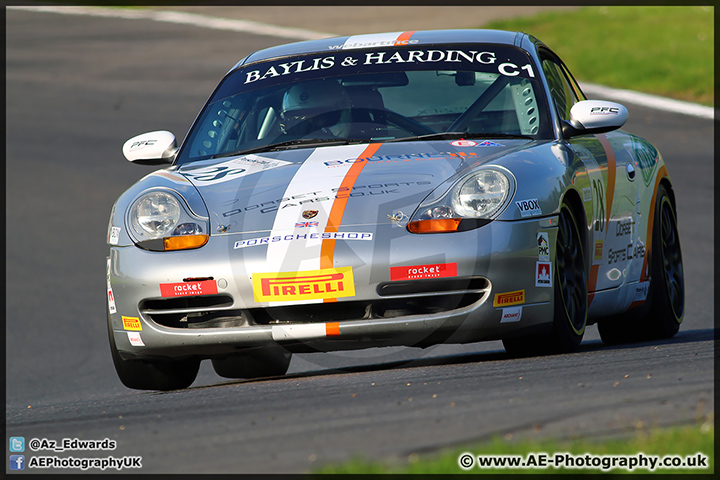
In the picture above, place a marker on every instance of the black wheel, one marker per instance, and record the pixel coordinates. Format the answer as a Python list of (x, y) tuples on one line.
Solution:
[(143, 375), (570, 296), (666, 298), (668, 284), (262, 363), (571, 286)]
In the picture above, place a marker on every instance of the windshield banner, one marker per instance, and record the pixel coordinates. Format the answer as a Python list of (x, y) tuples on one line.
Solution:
[(494, 59)]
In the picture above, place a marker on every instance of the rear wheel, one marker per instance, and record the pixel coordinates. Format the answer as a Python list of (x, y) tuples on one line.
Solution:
[(666, 298), (570, 295), (156, 375), (263, 363)]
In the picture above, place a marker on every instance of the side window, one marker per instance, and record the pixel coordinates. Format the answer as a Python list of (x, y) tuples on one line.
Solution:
[(579, 95), (563, 94)]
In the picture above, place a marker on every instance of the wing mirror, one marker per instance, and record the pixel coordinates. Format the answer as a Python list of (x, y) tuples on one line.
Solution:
[(594, 116), (152, 148)]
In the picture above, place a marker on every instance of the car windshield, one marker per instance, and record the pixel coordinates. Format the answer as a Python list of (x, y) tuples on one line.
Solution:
[(379, 95)]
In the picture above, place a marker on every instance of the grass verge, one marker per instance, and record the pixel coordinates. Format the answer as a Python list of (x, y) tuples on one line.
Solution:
[(662, 50), (681, 442), (665, 51)]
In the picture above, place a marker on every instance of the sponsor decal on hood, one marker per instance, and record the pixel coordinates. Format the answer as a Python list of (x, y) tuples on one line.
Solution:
[(230, 169)]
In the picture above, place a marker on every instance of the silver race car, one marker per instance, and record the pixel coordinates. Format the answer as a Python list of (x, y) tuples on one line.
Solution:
[(407, 188)]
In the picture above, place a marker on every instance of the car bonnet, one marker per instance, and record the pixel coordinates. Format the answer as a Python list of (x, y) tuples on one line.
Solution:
[(331, 188)]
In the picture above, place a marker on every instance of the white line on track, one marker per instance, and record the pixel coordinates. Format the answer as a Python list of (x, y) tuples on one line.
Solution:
[(650, 101), (181, 18), (628, 96)]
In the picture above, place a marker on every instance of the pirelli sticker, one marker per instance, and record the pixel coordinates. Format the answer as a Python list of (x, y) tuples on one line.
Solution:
[(510, 298), (132, 323), (307, 285)]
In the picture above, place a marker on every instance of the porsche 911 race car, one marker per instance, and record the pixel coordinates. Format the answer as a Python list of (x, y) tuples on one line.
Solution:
[(398, 189)]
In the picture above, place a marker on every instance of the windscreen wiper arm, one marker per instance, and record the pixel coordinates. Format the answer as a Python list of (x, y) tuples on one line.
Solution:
[(458, 135), (302, 142)]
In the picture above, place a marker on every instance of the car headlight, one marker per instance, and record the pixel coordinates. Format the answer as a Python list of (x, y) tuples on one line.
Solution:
[(160, 221), (472, 201), (481, 195)]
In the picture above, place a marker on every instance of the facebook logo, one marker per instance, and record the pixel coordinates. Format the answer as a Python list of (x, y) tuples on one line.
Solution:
[(17, 462), (17, 444)]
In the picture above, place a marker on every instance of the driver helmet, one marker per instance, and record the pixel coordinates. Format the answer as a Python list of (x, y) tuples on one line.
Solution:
[(320, 104)]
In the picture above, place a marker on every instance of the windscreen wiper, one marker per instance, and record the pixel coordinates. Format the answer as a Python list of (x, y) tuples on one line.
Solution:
[(431, 136), (458, 135), (289, 144)]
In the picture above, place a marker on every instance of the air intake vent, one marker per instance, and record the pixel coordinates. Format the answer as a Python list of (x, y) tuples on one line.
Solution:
[(434, 286), (185, 304)]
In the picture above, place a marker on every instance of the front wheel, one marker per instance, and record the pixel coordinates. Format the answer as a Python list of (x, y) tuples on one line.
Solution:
[(263, 363), (571, 287), (156, 375), (570, 295)]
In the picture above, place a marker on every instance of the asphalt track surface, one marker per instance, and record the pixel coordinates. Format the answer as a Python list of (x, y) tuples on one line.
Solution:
[(77, 88)]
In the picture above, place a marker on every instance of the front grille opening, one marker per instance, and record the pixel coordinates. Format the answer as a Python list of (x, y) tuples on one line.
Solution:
[(402, 298), (430, 286), (344, 311), (186, 303), (218, 319), (197, 311)]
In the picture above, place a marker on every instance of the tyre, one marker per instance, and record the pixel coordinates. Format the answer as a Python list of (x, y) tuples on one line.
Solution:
[(665, 303), (262, 363), (570, 295), (144, 375)]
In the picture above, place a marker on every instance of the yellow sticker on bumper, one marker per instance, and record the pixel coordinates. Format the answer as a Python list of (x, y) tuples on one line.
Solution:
[(510, 298), (132, 323), (307, 285)]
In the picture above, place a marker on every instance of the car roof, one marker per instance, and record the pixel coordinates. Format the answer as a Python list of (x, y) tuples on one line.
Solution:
[(388, 39)]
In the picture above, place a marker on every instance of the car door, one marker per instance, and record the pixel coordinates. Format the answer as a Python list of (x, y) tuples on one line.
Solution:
[(608, 189)]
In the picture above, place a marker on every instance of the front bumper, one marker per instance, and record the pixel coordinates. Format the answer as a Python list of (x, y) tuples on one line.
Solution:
[(480, 302)]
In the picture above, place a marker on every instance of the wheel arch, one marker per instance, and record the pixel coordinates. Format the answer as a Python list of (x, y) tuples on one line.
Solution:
[(665, 181), (573, 200)]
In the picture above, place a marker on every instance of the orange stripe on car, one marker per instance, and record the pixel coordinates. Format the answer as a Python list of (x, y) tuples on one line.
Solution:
[(662, 173), (327, 250), (404, 37), (592, 282), (609, 193), (332, 329), (610, 187)]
